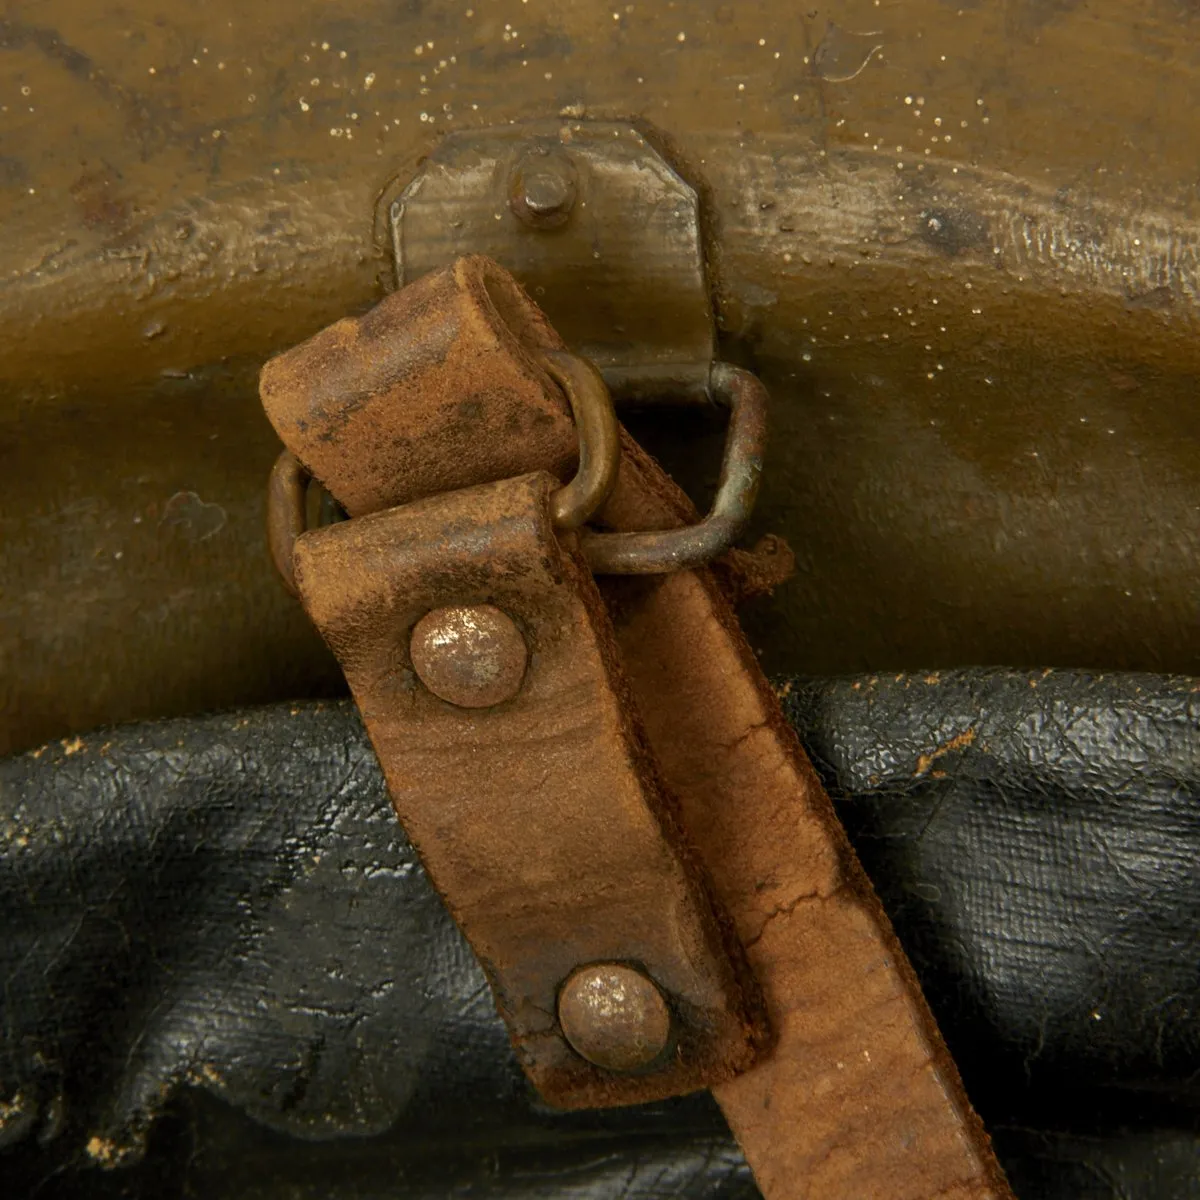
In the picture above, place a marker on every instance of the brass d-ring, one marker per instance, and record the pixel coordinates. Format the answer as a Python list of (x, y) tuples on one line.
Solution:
[(572, 505), (287, 512), (287, 494), (741, 471), (599, 439)]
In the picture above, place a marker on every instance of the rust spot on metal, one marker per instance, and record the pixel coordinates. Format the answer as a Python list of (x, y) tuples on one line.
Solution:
[(100, 205), (953, 231)]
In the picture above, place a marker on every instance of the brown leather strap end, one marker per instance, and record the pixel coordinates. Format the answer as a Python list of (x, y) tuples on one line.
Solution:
[(541, 816)]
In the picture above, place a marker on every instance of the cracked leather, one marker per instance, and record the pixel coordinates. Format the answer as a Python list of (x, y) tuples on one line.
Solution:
[(225, 972)]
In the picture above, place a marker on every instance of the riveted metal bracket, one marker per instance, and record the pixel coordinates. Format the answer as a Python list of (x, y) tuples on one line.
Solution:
[(596, 225)]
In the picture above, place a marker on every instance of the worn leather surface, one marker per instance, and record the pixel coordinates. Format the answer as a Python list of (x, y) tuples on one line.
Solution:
[(860, 1096), (219, 920), (544, 821)]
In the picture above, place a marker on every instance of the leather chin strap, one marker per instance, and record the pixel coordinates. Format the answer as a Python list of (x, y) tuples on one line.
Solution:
[(671, 822)]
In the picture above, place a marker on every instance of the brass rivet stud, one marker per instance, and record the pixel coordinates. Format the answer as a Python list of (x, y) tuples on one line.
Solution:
[(614, 1016), (543, 189), (471, 655), (546, 193)]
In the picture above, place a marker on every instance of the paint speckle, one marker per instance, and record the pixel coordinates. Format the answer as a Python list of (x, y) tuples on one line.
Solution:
[(104, 1151)]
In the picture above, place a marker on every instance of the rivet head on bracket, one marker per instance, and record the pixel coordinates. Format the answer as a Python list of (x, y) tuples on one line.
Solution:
[(614, 1016), (542, 189), (471, 655)]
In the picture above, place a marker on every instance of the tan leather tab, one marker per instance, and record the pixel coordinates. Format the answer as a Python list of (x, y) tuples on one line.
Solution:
[(436, 388), (542, 820)]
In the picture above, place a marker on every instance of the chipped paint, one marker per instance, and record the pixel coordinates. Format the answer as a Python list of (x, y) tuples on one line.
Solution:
[(958, 742)]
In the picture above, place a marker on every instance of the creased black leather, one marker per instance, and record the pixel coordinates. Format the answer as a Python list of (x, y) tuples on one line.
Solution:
[(1034, 837), (224, 969)]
